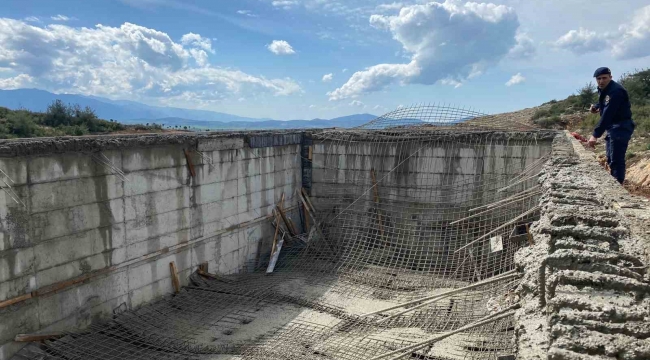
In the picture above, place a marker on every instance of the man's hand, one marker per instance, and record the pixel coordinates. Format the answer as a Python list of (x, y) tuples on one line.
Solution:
[(593, 109), (592, 141)]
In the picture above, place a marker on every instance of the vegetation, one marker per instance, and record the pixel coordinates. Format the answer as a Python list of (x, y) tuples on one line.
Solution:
[(59, 120)]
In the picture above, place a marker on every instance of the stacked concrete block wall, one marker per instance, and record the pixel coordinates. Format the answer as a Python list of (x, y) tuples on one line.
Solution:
[(83, 220)]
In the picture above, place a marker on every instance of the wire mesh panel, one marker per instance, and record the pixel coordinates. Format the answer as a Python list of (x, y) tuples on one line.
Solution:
[(418, 216)]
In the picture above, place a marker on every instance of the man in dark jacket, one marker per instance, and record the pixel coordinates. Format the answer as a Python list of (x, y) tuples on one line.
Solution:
[(615, 118)]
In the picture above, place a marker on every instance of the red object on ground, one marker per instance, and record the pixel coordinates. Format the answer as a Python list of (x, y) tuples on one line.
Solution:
[(578, 136)]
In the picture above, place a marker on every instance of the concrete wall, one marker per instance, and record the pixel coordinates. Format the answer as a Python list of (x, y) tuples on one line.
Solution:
[(423, 185), (81, 218)]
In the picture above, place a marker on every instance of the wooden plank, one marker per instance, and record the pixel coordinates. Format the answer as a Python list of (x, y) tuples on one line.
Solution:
[(203, 267), (308, 200), (287, 221), (375, 188), (15, 300), (306, 216), (175, 281), (311, 152), (214, 276), (190, 164), (275, 255), (36, 337)]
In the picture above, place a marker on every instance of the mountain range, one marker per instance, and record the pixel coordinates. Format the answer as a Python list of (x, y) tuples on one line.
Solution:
[(131, 112)]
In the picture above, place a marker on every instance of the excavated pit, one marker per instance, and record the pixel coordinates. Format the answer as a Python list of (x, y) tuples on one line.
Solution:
[(498, 225)]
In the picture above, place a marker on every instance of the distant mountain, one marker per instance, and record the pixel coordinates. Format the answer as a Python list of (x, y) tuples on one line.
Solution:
[(343, 122), (131, 112)]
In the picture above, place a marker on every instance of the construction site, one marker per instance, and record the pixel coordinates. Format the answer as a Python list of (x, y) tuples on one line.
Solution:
[(430, 232)]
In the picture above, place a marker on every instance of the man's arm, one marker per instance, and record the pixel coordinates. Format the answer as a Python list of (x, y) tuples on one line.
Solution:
[(616, 98)]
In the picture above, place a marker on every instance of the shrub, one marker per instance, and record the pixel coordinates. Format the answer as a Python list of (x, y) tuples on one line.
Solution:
[(586, 95)]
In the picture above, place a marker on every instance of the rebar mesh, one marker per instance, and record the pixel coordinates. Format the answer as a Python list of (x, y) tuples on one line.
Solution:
[(397, 204)]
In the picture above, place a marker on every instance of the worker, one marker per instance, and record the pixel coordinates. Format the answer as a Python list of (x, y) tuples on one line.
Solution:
[(615, 118)]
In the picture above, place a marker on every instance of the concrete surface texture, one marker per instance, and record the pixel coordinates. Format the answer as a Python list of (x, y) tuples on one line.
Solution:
[(585, 289), (122, 209)]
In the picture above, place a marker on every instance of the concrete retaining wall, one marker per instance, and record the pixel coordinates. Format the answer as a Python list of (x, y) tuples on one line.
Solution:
[(80, 218)]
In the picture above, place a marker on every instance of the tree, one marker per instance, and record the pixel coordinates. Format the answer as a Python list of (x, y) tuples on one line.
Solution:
[(58, 114), (587, 95)]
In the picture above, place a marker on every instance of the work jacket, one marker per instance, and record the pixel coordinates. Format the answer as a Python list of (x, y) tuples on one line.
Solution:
[(615, 111)]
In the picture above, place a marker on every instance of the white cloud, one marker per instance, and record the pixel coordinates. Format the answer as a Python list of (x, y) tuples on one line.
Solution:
[(344, 70), (196, 40), (580, 41), (630, 41), (389, 7), (129, 61), (61, 18), (444, 40), (357, 103), (516, 79), (280, 47), (32, 19), (524, 49), (246, 13), (328, 77), (285, 4), (312, 106), (16, 82), (635, 39)]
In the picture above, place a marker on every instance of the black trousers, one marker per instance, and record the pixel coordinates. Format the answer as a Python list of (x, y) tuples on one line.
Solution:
[(615, 147)]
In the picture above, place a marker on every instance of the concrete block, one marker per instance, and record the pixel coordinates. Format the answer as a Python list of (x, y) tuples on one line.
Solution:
[(144, 274), (207, 251), (17, 286), (224, 156), (230, 189), (18, 319), (218, 172), (74, 300), (53, 224), (150, 292), (229, 242), (220, 144), (142, 182), (152, 245), (15, 169), (249, 184), (149, 204), (207, 193), (73, 269), (250, 167), (88, 313), (67, 193), (16, 263), (157, 225), (79, 245), (159, 157), (14, 225), (59, 167)]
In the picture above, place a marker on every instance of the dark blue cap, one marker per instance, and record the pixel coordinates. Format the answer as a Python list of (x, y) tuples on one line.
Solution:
[(602, 71)]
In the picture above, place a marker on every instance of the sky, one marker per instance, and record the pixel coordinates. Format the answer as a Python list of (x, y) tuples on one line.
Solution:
[(304, 59)]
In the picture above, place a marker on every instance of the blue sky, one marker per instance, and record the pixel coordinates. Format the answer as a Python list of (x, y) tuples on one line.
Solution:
[(296, 59)]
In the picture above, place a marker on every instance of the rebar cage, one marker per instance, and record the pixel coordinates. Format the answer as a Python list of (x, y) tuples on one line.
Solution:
[(419, 203)]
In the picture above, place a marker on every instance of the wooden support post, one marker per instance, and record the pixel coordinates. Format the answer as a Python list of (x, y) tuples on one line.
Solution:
[(311, 152), (175, 281), (286, 220), (36, 337), (375, 188), (306, 216), (203, 267), (190, 164), (15, 300)]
